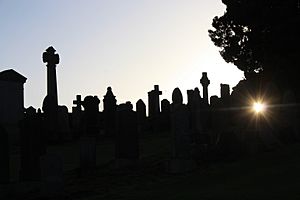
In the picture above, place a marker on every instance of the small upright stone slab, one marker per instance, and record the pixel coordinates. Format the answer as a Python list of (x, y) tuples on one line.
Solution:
[(87, 155), (52, 181), (141, 115), (91, 111)]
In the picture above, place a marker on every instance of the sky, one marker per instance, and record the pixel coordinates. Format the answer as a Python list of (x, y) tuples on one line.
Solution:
[(130, 45)]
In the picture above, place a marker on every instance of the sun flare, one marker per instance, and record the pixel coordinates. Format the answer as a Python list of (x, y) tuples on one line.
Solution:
[(258, 107)]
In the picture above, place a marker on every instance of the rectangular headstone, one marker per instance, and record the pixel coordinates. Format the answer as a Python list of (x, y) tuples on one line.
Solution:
[(127, 139), (87, 154), (52, 175)]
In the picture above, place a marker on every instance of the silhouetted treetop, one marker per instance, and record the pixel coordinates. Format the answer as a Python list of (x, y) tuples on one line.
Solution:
[(259, 36)]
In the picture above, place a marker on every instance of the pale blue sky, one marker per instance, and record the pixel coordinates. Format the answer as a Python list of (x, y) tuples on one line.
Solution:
[(130, 45)]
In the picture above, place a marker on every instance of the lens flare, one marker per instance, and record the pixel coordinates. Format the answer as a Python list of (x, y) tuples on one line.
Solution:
[(258, 107)]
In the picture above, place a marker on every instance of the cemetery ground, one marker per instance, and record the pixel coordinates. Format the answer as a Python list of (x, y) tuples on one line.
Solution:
[(269, 175)]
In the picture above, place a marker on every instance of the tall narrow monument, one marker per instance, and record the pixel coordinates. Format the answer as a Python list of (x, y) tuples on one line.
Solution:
[(205, 82), (153, 102), (52, 59)]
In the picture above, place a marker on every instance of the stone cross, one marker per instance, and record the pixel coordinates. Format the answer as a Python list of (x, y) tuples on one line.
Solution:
[(78, 102), (153, 101), (52, 59), (205, 82)]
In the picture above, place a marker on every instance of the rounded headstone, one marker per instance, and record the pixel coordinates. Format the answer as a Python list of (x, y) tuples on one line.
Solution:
[(177, 96)]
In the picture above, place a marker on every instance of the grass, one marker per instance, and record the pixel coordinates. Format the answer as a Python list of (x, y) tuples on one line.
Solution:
[(269, 175)]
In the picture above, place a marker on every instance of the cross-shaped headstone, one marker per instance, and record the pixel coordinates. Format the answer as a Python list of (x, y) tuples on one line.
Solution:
[(78, 102), (156, 89), (50, 57)]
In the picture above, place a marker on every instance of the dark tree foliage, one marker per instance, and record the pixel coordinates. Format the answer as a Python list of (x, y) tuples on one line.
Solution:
[(261, 37)]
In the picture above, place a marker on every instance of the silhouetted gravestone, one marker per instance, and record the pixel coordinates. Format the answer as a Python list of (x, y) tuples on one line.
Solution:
[(216, 106), (78, 102), (154, 108), (165, 115), (205, 82), (194, 106), (225, 94), (32, 145), (64, 129), (4, 156), (127, 142), (109, 111), (52, 180), (88, 141), (182, 159), (87, 155), (77, 117), (52, 59), (91, 111), (141, 115)]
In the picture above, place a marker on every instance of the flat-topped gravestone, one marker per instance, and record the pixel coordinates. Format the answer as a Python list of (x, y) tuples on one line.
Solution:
[(52, 181), (127, 143)]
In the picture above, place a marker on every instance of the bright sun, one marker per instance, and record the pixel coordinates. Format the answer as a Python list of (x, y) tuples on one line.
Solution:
[(258, 107)]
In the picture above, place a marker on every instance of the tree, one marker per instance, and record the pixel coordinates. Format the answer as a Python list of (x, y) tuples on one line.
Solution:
[(260, 37)]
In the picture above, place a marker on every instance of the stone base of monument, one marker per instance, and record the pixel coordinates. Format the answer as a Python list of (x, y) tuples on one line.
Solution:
[(125, 163), (176, 166)]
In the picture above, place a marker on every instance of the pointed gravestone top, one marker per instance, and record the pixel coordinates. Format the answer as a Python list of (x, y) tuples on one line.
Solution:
[(30, 111), (50, 57), (109, 93), (177, 96), (197, 92), (140, 104)]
